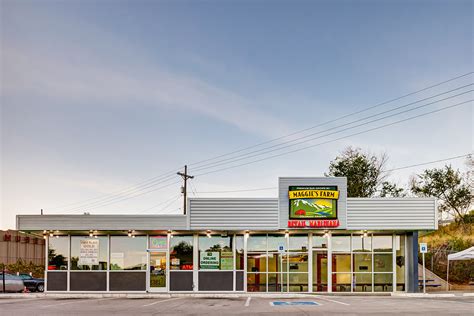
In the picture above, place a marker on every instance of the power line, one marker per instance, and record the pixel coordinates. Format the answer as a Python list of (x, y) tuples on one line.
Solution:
[(160, 178), (213, 164), (247, 190), (164, 177), (161, 203), (330, 141), (394, 169), (127, 198), (429, 162), (297, 150), (336, 119), (332, 133)]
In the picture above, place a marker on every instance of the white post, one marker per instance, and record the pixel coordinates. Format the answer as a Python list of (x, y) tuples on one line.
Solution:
[(329, 262), (447, 277), (424, 276)]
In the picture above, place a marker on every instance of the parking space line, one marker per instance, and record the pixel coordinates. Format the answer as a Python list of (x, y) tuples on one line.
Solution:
[(247, 302), (77, 301), (167, 300), (19, 300), (334, 301)]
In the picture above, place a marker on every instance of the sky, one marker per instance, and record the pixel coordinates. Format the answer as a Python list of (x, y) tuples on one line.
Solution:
[(100, 96)]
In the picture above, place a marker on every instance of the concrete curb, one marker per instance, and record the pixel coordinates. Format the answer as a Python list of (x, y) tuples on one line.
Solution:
[(172, 295), (468, 294), (422, 295)]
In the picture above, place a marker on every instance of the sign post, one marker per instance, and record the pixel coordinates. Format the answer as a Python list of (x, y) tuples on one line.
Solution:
[(423, 250)]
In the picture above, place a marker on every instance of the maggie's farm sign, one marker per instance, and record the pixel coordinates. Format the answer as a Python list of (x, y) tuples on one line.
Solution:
[(313, 206)]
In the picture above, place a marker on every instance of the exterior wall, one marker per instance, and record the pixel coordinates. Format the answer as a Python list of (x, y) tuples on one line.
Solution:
[(285, 183), (15, 245), (101, 222), (236, 280), (392, 213), (233, 214)]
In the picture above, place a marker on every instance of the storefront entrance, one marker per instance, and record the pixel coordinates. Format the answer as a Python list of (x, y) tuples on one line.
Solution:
[(158, 272), (320, 271)]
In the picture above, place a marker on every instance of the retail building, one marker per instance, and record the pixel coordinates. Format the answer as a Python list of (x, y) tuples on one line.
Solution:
[(311, 238)]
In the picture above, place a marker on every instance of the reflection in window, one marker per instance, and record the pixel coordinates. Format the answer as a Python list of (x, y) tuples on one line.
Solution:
[(298, 243), (400, 262), (239, 252), (361, 244), (341, 243), (382, 243), (215, 253), (89, 253), (257, 243), (320, 241), (275, 241), (128, 253), (58, 253), (181, 253)]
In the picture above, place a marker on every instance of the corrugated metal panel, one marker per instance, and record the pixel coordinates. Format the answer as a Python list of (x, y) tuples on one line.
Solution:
[(233, 213), (285, 182), (391, 213), (101, 222)]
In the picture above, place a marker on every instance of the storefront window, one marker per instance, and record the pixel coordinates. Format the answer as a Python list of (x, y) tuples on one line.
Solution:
[(362, 262), (382, 243), (400, 262), (89, 253), (383, 263), (341, 263), (257, 243), (128, 253), (276, 241), (320, 242), (341, 243), (341, 282), (58, 253), (298, 243), (277, 262), (298, 262), (362, 282), (239, 252), (383, 282), (361, 244), (298, 282), (257, 262), (275, 282), (181, 253), (215, 253), (256, 282)]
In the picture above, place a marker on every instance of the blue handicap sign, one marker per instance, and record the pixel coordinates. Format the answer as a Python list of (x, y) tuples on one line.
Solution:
[(281, 303)]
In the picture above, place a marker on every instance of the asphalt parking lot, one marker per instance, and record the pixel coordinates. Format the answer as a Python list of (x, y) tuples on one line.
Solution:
[(323, 305)]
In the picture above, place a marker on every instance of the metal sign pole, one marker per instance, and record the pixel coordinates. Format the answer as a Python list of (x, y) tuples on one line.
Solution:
[(424, 277)]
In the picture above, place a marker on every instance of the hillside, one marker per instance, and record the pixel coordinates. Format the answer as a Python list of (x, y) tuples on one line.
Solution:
[(446, 240)]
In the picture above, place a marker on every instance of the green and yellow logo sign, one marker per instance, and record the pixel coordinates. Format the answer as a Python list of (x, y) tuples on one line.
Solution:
[(313, 202)]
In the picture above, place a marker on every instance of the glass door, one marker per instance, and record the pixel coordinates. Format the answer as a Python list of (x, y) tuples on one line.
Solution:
[(158, 271), (320, 271)]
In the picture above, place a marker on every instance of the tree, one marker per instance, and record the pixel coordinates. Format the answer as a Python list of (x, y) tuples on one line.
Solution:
[(365, 172), (450, 187), (391, 190)]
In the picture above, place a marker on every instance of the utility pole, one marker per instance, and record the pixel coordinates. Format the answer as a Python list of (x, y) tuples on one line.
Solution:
[(185, 177)]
